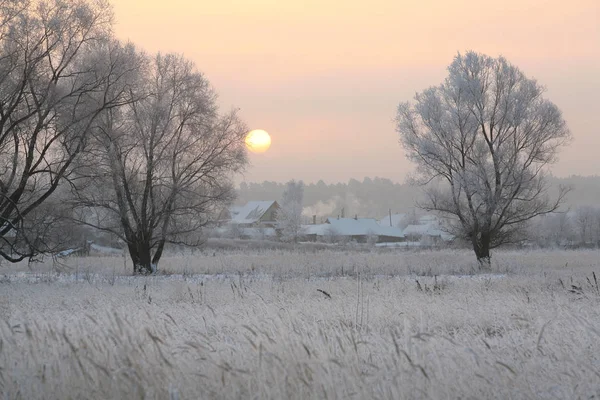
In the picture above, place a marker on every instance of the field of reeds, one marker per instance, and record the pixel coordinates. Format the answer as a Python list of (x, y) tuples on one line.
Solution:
[(297, 324)]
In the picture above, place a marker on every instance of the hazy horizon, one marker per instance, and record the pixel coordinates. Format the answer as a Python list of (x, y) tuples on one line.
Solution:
[(325, 80)]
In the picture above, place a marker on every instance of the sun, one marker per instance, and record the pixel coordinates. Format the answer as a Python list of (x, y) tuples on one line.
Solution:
[(258, 141)]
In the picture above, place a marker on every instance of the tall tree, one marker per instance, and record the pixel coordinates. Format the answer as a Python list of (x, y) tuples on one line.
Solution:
[(488, 134), (53, 87), (160, 168), (289, 215)]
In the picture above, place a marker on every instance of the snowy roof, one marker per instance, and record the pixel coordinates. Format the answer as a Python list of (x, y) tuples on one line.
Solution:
[(359, 227), (425, 229), (251, 212), (390, 231), (396, 220), (319, 230), (352, 227)]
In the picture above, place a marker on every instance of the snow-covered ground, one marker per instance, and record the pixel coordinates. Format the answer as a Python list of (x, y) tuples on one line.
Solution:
[(295, 324), (95, 248), (399, 244), (99, 279)]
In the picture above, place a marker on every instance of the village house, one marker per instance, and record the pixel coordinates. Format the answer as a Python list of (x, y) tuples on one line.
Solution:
[(360, 230), (252, 214), (254, 220)]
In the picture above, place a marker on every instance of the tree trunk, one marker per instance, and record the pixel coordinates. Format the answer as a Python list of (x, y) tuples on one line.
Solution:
[(140, 253), (158, 253), (481, 246)]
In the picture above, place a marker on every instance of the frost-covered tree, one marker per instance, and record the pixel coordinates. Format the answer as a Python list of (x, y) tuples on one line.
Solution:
[(159, 169), (587, 222), (584, 220), (488, 134), (53, 88), (551, 230), (410, 218), (289, 215)]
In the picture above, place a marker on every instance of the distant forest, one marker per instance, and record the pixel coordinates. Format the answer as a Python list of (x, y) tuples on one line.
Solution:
[(373, 197)]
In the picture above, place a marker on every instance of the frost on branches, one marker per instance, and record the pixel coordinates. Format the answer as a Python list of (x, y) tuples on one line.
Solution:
[(289, 216), (55, 83), (488, 134), (159, 169)]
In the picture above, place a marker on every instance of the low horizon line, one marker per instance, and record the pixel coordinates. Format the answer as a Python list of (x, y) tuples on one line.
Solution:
[(389, 179)]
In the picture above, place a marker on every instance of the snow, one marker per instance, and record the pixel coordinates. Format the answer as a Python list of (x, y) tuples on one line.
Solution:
[(67, 252), (258, 315), (420, 230), (70, 278), (251, 212), (93, 247), (390, 231), (353, 227), (398, 244), (105, 250), (319, 230)]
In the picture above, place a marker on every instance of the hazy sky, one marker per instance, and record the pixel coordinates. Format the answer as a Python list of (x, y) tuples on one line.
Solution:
[(324, 77)]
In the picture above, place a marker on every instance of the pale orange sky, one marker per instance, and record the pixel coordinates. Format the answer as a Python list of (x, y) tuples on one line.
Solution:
[(324, 77)]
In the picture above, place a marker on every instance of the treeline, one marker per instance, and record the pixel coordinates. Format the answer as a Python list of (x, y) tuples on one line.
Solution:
[(374, 197), (579, 227)]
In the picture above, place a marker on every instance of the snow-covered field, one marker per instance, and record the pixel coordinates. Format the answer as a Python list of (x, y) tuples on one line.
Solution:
[(278, 324)]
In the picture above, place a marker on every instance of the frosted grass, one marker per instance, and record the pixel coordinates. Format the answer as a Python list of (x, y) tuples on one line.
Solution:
[(261, 326)]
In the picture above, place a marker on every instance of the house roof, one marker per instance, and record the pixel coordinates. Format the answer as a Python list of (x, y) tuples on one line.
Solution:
[(251, 212), (319, 230), (353, 227), (390, 231), (359, 227), (422, 229)]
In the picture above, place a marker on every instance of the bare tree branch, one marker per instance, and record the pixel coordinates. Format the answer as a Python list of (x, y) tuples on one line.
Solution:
[(54, 85)]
